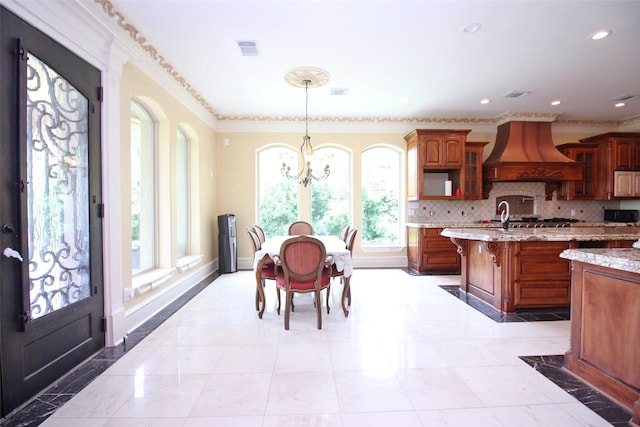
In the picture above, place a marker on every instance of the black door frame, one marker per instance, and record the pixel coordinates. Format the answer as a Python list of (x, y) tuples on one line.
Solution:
[(80, 326)]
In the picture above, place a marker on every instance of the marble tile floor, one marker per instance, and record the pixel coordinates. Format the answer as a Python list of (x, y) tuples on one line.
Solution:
[(409, 354)]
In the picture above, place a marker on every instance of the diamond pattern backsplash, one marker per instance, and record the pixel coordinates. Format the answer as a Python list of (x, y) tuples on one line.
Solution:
[(461, 211)]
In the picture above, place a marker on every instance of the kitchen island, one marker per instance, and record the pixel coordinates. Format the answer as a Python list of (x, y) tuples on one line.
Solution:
[(605, 323), (521, 268)]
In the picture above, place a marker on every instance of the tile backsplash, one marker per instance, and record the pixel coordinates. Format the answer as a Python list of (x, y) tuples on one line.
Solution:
[(460, 211)]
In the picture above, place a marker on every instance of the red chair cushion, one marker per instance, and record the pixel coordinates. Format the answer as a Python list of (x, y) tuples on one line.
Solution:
[(268, 271), (306, 285)]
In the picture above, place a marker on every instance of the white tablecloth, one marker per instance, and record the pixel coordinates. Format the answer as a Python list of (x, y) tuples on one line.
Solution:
[(333, 245)]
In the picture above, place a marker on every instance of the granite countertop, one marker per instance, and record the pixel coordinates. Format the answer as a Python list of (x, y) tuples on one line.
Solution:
[(453, 225), (497, 224), (580, 234), (619, 259)]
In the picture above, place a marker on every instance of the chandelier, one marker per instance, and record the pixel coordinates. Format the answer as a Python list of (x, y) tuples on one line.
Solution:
[(306, 77)]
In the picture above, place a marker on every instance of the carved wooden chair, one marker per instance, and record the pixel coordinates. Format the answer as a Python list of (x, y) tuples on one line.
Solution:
[(260, 232), (301, 228), (349, 241), (303, 270), (268, 270), (343, 233)]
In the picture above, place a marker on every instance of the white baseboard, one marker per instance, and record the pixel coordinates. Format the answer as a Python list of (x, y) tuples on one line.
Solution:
[(139, 314)]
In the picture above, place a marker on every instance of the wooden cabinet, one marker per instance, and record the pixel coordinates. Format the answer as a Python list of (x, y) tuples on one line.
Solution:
[(616, 151), (435, 156), (587, 154), (441, 150), (605, 332), (428, 251), (626, 184), (473, 170)]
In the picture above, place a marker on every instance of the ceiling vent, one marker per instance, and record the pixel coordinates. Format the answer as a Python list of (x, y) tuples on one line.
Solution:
[(516, 94), (625, 98), (248, 47), (339, 91)]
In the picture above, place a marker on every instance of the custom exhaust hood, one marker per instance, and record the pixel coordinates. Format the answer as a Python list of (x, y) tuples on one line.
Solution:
[(524, 151)]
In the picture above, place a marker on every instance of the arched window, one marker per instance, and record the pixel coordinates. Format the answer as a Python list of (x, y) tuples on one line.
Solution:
[(182, 194), (381, 189), (331, 197), (277, 196), (143, 189)]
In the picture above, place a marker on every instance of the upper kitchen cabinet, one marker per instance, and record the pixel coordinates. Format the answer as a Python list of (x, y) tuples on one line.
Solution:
[(473, 170), (441, 149), (585, 153), (617, 151), (435, 163)]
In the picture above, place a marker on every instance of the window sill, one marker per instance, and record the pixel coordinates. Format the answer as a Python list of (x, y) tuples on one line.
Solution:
[(383, 248), (187, 262), (146, 282)]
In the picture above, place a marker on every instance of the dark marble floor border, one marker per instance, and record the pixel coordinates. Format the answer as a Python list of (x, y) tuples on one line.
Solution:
[(552, 367), (528, 315), (41, 407)]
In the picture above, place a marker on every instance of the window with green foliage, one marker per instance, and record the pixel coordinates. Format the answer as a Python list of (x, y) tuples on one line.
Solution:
[(331, 197), (143, 189), (277, 196), (182, 194), (381, 168)]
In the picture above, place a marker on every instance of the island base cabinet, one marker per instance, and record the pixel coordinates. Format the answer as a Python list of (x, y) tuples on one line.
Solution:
[(516, 275), (540, 277), (605, 332)]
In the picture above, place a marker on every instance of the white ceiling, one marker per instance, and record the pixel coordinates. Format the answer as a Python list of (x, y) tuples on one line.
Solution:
[(385, 51)]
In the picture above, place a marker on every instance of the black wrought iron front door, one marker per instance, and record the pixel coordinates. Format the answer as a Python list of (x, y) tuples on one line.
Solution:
[(51, 293)]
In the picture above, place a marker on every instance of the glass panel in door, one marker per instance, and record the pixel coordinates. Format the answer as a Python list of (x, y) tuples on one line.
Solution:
[(58, 188)]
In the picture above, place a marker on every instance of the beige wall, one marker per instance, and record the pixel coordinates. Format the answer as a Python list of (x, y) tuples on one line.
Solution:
[(169, 114)]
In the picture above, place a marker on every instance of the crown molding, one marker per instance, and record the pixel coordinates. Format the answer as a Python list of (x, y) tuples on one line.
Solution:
[(230, 121)]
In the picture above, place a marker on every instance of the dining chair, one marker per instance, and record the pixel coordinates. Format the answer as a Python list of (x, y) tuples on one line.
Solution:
[(343, 233), (300, 228), (260, 232), (349, 241), (303, 270), (268, 269)]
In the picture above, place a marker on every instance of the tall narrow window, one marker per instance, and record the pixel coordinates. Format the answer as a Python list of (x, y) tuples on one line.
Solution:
[(277, 196), (331, 197), (143, 191), (381, 168), (182, 194)]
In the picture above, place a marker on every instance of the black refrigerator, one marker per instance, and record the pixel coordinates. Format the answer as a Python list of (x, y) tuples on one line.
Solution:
[(227, 249)]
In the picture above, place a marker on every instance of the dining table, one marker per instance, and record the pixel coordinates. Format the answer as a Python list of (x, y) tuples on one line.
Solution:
[(337, 254)]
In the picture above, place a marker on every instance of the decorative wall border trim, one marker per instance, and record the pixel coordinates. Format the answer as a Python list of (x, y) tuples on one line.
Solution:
[(143, 43)]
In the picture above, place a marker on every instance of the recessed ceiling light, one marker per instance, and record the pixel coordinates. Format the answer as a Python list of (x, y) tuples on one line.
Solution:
[(485, 101), (472, 28), (556, 102), (404, 100), (619, 104), (599, 35)]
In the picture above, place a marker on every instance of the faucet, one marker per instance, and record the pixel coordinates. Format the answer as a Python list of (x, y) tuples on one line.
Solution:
[(504, 214)]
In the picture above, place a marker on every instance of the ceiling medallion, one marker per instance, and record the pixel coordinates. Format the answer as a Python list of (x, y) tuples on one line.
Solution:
[(301, 76)]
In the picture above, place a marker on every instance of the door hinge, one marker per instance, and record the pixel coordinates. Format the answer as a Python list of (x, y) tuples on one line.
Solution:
[(507, 296), (25, 317), (100, 93), (103, 326), (101, 210)]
